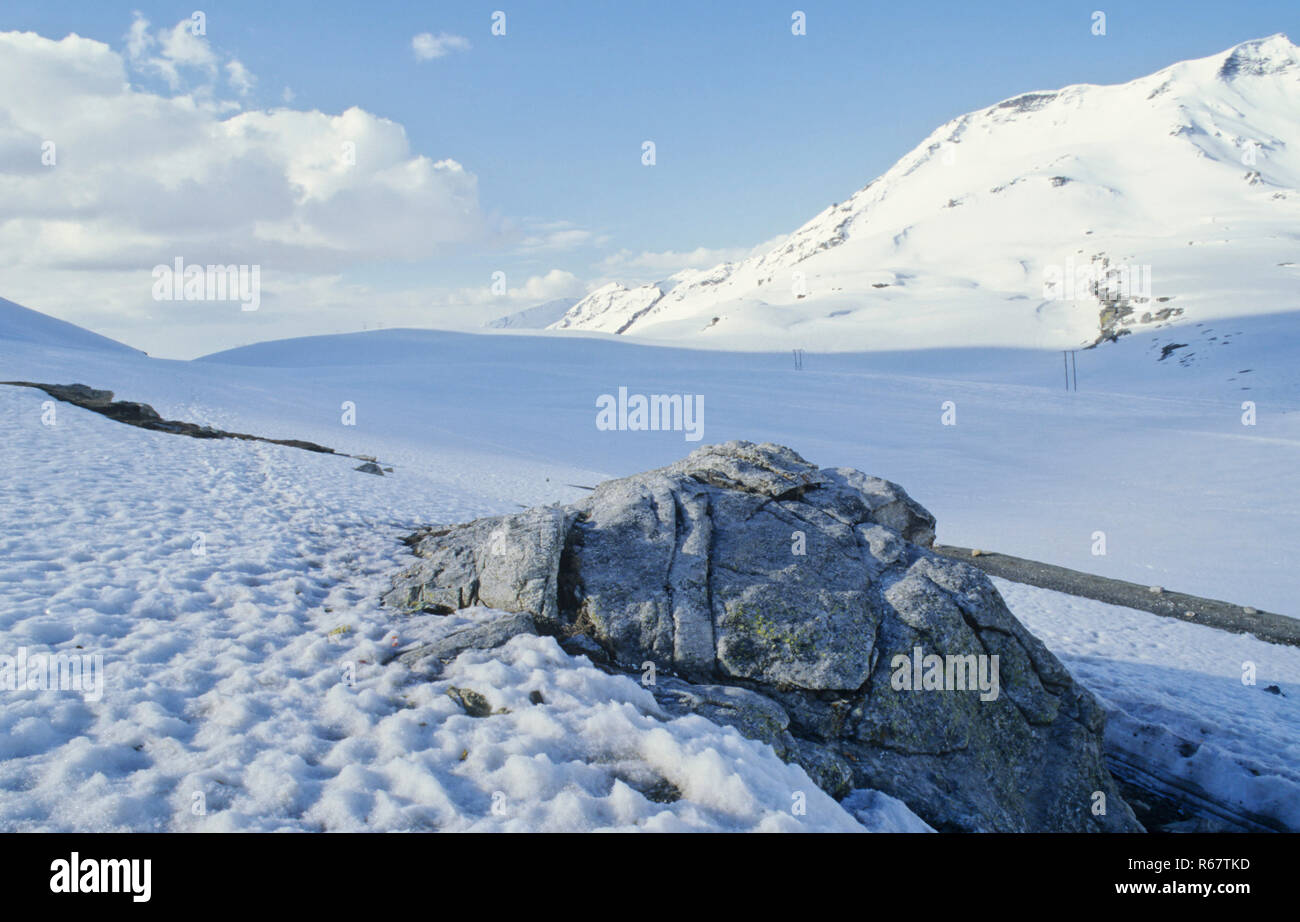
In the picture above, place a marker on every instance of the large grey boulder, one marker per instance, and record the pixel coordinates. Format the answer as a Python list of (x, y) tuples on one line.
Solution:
[(436, 644), (510, 563), (800, 605), (755, 716)]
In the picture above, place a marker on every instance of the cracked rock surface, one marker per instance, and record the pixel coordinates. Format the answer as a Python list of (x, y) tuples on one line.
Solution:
[(773, 595)]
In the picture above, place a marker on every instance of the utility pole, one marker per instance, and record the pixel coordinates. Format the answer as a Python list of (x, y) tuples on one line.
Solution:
[(1071, 369)]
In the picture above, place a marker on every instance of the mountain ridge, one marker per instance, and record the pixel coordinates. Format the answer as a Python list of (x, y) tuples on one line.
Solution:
[(1108, 159)]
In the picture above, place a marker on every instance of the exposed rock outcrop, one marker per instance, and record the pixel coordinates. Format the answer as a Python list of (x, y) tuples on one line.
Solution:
[(804, 607), (146, 417)]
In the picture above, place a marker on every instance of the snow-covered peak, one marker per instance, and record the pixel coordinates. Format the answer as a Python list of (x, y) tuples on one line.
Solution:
[(609, 308), (1185, 175), (1261, 57)]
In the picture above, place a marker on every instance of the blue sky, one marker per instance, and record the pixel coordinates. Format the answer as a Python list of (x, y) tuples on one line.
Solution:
[(756, 129)]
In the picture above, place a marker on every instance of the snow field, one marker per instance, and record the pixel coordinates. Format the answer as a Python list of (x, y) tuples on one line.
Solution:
[(224, 671)]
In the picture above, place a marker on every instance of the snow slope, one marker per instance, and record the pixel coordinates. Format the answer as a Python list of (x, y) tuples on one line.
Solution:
[(1185, 177), (1174, 694), (1153, 454), (227, 586), (224, 667), (534, 318), (20, 324)]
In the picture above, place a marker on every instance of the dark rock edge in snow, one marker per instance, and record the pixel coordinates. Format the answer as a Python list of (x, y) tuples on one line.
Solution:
[(143, 416)]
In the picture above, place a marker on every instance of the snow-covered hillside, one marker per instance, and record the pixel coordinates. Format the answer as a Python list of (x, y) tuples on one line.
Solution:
[(227, 586), (1177, 192), (534, 318), (20, 324), (224, 582), (1153, 453)]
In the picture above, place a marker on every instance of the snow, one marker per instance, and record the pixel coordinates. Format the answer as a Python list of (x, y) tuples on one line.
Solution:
[(223, 668), (534, 318), (877, 810), (226, 586), (1174, 695), (1154, 456), (18, 323), (609, 308), (1028, 469), (952, 246)]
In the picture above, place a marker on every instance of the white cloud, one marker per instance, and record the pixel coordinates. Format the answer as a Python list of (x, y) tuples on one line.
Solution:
[(183, 59), (179, 49), (428, 46), (138, 39), (177, 168), (240, 79), (555, 284), (557, 239), (143, 176), (670, 261), (536, 289), (535, 239), (655, 266)]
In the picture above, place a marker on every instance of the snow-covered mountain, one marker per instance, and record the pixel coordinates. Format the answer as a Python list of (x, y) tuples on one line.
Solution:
[(1052, 219), (24, 325), (537, 317)]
